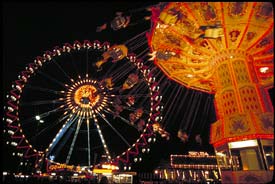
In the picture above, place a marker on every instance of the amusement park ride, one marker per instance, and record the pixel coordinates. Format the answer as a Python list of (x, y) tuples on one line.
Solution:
[(225, 49), (99, 100), (99, 91)]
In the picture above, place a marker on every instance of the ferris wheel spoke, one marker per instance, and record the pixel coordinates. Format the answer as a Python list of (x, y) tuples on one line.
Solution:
[(102, 140), (51, 78), (61, 69), (64, 139), (49, 127), (42, 102), (44, 89), (43, 115), (74, 140), (87, 59), (115, 130), (73, 63), (88, 136), (61, 133)]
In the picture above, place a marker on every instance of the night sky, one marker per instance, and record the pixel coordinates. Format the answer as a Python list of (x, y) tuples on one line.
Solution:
[(31, 28)]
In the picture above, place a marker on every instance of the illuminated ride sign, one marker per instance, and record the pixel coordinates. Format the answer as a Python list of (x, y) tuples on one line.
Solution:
[(106, 168), (62, 167)]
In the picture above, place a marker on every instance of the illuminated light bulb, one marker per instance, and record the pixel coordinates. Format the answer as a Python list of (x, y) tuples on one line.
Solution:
[(264, 69), (10, 132), (37, 117), (143, 150), (13, 98), (14, 143), (18, 87), (10, 109)]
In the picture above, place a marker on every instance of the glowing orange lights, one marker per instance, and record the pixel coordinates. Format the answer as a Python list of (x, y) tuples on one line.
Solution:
[(203, 38), (215, 54), (102, 171), (60, 167), (85, 96)]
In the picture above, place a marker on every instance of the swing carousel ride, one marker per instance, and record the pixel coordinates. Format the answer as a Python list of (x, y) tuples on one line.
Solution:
[(223, 48)]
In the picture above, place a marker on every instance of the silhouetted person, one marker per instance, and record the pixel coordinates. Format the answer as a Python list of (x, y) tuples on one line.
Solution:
[(104, 180)]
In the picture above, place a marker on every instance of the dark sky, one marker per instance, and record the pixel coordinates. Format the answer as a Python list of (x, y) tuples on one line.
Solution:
[(31, 28)]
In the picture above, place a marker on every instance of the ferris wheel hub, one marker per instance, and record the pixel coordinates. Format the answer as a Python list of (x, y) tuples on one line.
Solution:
[(86, 96)]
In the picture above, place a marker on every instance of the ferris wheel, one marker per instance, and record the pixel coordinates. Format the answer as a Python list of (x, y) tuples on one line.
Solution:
[(84, 104)]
